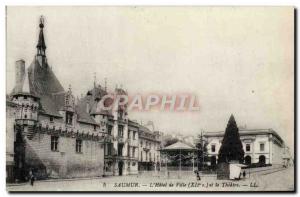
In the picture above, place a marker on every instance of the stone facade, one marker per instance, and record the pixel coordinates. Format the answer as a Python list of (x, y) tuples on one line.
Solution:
[(54, 135), (47, 131), (260, 146), (149, 149)]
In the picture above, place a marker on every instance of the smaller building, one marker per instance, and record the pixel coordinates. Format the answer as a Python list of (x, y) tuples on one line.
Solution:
[(262, 146), (133, 145), (149, 149)]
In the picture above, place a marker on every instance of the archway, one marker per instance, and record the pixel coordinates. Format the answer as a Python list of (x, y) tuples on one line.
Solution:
[(262, 159), (120, 166), (248, 160)]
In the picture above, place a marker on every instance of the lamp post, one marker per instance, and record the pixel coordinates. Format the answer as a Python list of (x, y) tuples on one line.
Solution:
[(179, 163), (193, 161), (167, 165)]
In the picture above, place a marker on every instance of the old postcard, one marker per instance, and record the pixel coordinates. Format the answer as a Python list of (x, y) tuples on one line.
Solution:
[(157, 99)]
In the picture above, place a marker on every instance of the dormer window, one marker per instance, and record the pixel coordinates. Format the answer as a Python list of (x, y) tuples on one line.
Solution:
[(51, 119), (95, 127), (120, 130), (213, 148), (78, 146), (25, 97), (69, 118), (109, 129), (134, 133)]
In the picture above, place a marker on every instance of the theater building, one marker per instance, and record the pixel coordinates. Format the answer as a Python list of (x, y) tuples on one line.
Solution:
[(262, 146)]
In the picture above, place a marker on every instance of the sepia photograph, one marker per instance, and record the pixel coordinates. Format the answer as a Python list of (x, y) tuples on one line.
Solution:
[(150, 99)]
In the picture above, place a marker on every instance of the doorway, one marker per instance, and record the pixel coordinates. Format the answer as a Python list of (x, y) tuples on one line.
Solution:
[(120, 166), (248, 160), (262, 159), (19, 157)]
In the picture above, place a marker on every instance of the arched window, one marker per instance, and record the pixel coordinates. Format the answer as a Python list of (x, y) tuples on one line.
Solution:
[(262, 159), (248, 160)]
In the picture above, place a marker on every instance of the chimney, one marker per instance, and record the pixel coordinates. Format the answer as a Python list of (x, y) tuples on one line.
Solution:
[(20, 71)]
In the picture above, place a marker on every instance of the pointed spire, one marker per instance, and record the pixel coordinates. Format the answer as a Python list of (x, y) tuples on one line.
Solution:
[(41, 46)]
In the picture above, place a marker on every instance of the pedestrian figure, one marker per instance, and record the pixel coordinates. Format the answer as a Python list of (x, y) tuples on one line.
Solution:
[(198, 176), (244, 174), (31, 177)]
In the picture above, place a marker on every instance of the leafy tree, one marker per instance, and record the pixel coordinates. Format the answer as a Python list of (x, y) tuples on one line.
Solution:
[(231, 148)]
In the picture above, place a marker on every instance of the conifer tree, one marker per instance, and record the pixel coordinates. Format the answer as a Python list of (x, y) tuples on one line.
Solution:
[(231, 148)]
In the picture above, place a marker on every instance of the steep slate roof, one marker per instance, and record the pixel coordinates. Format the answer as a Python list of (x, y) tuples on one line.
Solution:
[(83, 116), (91, 98), (41, 82), (45, 84)]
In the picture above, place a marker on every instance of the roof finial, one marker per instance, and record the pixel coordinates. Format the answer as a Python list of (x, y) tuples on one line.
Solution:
[(70, 88), (41, 46), (42, 21)]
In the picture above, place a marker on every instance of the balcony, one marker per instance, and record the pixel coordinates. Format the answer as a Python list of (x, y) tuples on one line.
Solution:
[(121, 140), (122, 119), (26, 121), (146, 148), (132, 142), (108, 138)]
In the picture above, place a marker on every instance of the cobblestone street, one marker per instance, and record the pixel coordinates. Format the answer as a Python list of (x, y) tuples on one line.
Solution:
[(279, 180)]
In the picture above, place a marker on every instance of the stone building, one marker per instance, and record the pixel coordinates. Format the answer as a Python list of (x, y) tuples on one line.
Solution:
[(47, 132), (114, 123), (263, 146), (55, 135), (149, 149)]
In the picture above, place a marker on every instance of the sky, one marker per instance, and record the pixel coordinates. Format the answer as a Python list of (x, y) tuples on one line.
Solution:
[(236, 60)]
